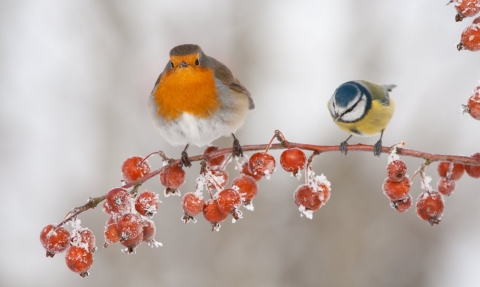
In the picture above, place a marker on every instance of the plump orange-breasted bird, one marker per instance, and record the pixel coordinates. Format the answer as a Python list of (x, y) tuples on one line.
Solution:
[(196, 100)]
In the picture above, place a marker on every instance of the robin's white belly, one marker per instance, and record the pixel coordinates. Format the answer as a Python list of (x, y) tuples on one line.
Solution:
[(190, 129)]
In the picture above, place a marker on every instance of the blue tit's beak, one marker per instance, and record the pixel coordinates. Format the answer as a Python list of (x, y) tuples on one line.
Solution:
[(336, 117)]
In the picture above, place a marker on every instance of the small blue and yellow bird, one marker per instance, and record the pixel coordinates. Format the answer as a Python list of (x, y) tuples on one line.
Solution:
[(362, 108)]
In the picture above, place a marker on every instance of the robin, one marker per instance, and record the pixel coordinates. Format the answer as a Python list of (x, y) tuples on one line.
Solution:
[(196, 100)]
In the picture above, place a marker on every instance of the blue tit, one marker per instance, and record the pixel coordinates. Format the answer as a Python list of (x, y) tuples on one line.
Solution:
[(362, 108)]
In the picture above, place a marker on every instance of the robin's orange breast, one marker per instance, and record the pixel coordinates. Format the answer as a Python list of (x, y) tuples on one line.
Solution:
[(188, 89)]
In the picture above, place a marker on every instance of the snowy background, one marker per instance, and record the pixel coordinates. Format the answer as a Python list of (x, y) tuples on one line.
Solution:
[(75, 77)]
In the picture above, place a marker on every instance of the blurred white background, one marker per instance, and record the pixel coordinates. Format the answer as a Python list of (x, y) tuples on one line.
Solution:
[(75, 77)]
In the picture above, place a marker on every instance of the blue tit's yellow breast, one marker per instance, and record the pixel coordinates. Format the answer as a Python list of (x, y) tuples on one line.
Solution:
[(375, 120)]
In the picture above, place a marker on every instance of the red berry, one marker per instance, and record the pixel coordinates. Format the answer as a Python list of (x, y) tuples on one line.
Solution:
[(324, 191), (54, 242), (192, 204), (466, 8), (134, 168), (106, 208), (246, 186), (216, 179), (246, 170), (85, 239), (470, 39), (146, 203), (149, 233), (111, 233), (454, 172), (293, 160), (446, 186), (473, 106), (130, 228), (262, 163), (119, 200), (402, 205), (216, 162), (396, 190), (212, 214), (173, 178), (473, 170), (305, 196), (430, 207), (228, 200), (396, 170), (78, 260)]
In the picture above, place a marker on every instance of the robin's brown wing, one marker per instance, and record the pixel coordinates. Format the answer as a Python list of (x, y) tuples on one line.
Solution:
[(225, 75)]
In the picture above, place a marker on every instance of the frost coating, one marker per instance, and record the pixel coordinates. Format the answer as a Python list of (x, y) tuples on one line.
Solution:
[(305, 212), (393, 153)]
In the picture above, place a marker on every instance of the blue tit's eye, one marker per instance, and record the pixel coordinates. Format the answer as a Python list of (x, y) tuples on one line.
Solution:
[(171, 65), (197, 62)]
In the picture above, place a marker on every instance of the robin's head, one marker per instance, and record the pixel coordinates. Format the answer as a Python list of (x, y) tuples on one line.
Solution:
[(184, 56)]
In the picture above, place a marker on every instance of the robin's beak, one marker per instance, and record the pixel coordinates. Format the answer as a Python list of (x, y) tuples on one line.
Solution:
[(182, 64)]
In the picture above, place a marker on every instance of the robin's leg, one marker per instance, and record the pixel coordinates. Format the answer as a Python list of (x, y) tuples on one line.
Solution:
[(343, 146), (377, 148), (184, 159), (237, 148)]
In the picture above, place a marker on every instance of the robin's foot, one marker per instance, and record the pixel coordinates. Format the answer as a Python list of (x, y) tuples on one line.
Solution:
[(237, 148), (185, 161), (343, 147), (377, 148)]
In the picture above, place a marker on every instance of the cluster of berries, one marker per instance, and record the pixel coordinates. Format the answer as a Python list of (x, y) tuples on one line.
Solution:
[(470, 39), (430, 203), (79, 245), (473, 106)]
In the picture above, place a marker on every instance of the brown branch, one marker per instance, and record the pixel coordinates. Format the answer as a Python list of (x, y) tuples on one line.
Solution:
[(428, 157)]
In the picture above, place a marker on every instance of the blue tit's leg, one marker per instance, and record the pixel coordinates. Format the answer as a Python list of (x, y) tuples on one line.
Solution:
[(184, 159), (377, 148), (237, 148), (343, 146)]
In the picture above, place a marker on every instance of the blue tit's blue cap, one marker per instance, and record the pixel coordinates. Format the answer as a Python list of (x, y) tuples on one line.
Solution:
[(345, 93)]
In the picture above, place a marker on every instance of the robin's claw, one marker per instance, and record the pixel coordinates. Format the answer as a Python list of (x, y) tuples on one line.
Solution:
[(237, 148), (185, 160)]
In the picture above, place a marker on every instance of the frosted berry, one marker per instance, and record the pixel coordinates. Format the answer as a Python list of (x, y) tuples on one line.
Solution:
[(293, 160), (473, 106), (130, 228), (262, 163), (84, 238), (216, 179), (324, 191), (446, 186), (134, 168), (246, 170), (396, 190), (473, 170), (402, 205), (54, 242), (192, 205), (228, 200), (305, 196), (119, 200), (396, 170), (149, 230), (466, 8), (216, 162), (78, 260), (111, 233), (212, 214), (455, 172), (247, 188), (106, 208), (146, 203), (430, 207), (173, 178), (470, 38)]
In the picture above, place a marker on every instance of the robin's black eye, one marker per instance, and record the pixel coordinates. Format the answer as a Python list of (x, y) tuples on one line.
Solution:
[(171, 65), (197, 62)]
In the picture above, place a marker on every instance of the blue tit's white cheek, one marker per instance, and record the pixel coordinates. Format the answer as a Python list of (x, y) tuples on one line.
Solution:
[(356, 113), (331, 107)]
